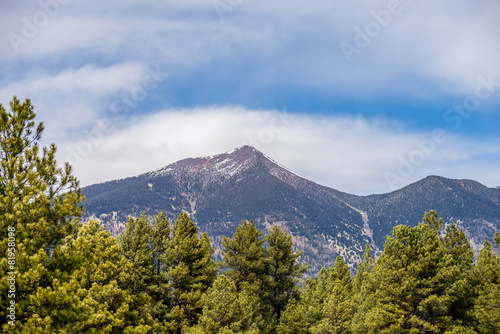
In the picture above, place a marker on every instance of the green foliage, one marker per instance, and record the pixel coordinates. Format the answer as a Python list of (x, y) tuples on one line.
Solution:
[(411, 286), (191, 271), (160, 234), (221, 307), (458, 246), (135, 247), (284, 270), (270, 273), (362, 272), (37, 201), (462, 289), (105, 305), (337, 312), (487, 303), (496, 237), (244, 256), (326, 305), (294, 319), (226, 310)]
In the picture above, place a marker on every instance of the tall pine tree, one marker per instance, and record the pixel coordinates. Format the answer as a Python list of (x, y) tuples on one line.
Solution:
[(37, 201), (244, 256), (191, 271), (226, 310), (284, 270), (104, 303), (246, 264), (326, 304), (135, 247), (410, 287), (487, 302), (159, 287)]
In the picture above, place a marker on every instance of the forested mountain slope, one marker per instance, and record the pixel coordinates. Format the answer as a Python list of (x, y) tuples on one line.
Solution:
[(220, 191)]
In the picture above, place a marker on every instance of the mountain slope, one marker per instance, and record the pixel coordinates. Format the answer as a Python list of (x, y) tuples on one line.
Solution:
[(471, 205), (220, 191)]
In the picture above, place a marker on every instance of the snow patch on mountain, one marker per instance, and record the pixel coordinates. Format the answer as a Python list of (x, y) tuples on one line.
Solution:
[(286, 169), (161, 171)]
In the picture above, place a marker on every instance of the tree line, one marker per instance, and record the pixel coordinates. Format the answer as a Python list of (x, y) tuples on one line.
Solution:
[(58, 275)]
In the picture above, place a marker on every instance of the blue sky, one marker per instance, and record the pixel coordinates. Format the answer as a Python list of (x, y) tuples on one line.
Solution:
[(364, 96)]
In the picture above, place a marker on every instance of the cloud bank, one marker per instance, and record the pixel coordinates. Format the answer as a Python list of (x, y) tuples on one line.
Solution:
[(352, 154), (126, 86)]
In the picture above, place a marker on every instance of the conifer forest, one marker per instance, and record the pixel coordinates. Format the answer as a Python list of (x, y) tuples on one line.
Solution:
[(62, 275)]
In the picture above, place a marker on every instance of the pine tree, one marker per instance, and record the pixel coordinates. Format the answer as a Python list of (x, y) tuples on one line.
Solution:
[(462, 289), (337, 312), (409, 287), (135, 246), (37, 200), (284, 270), (294, 319), (244, 256), (324, 283), (224, 309), (159, 287), (332, 305), (364, 268), (191, 271), (103, 304), (487, 303), (359, 280), (221, 307), (325, 305), (459, 247)]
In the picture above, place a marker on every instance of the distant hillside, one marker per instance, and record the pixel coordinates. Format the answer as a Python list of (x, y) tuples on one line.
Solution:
[(220, 191)]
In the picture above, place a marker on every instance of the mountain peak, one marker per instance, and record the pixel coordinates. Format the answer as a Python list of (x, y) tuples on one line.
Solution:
[(244, 148), (220, 191), (224, 164), (244, 151)]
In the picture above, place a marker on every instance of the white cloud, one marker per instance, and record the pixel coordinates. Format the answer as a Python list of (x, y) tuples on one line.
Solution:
[(90, 52), (351, 154), (74, 98)]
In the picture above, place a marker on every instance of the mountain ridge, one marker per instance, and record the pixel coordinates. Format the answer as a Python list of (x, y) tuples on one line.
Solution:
[(220, 191)]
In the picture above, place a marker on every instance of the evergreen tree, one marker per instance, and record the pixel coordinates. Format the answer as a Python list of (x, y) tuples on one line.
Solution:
[(159, 287), (458, 246), (294, 319), (226, 310), (332, 298), (191, 271), (337, 312), (244, 256), (221, 307), (324, 284), (409, 286), (37, 200), (364, 268), (135, 246), (340, 272), (487, 303), (326, 304), (103, 302), (284, 270), (462, 289)]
